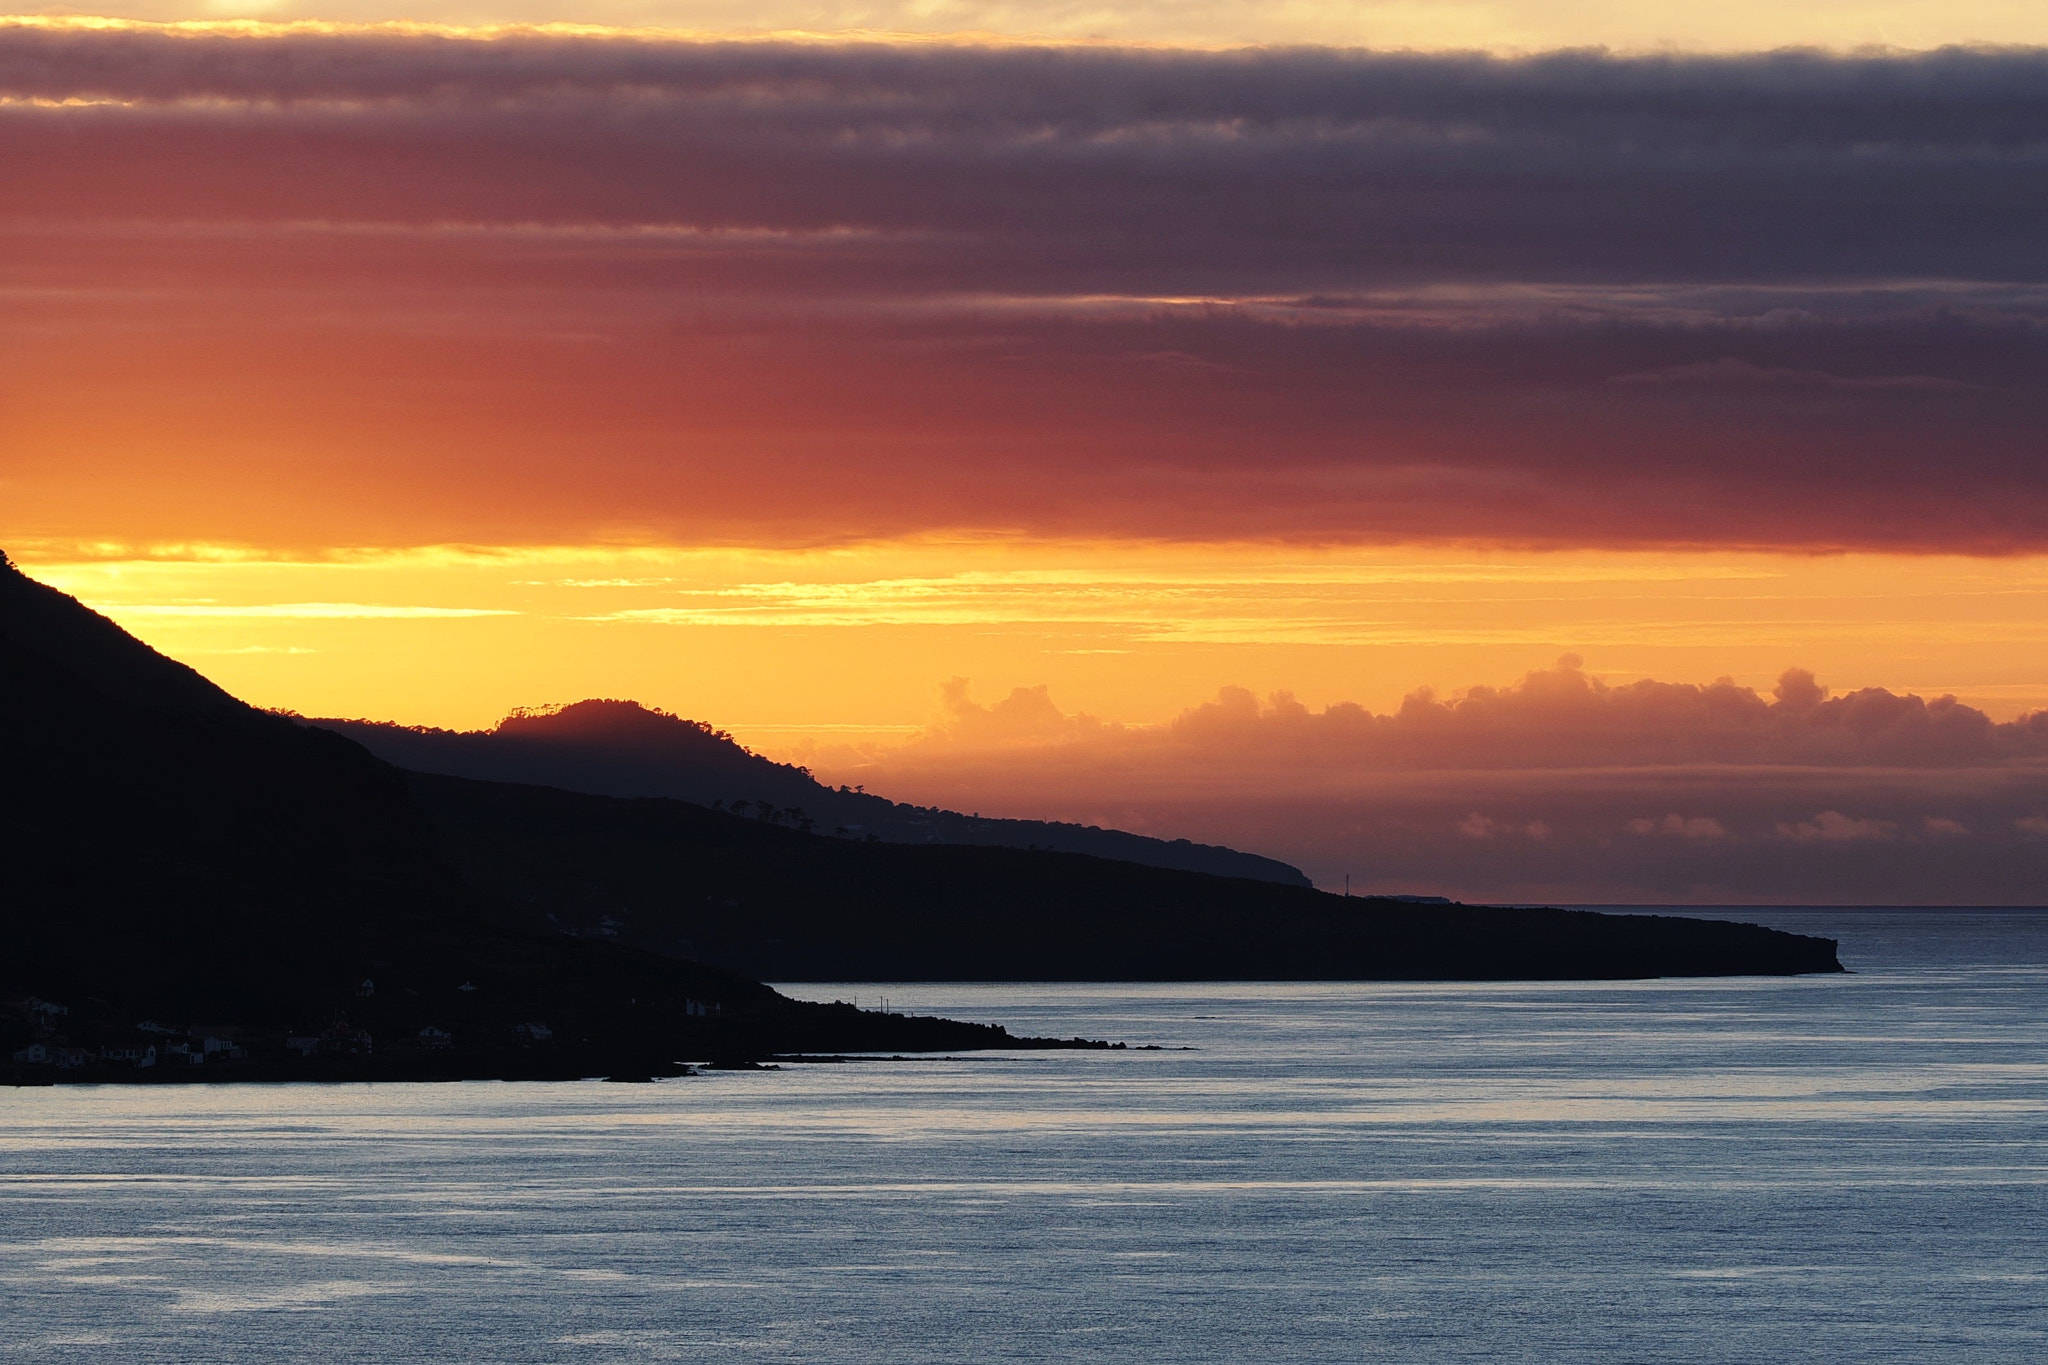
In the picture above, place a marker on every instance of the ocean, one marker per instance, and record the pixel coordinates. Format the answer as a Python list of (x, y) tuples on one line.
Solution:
[(1847, 1168)]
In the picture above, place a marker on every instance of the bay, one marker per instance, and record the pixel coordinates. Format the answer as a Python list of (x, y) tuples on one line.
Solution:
[(1824, 1168)]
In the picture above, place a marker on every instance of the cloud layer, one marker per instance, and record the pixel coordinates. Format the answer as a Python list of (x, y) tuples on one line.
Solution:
[(758, 290), (1560, 787), (1062, 172)]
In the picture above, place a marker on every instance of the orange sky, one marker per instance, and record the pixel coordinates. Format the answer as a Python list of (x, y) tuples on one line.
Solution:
[(771, 643)]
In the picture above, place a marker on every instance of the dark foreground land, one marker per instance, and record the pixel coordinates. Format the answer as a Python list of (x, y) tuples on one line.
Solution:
[(181, 871), (93, 1043)]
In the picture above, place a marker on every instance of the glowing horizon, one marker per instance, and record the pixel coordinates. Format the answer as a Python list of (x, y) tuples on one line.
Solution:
[(890, 621)]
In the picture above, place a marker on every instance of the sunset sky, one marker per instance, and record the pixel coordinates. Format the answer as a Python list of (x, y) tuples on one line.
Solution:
[(1117, 413)]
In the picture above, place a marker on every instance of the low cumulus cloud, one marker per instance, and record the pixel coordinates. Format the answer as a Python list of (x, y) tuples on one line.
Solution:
[(798, 290), (1560, 787), (1562, 717)]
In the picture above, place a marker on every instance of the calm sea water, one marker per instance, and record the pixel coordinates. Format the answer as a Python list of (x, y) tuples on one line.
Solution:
[(1835, 1169)]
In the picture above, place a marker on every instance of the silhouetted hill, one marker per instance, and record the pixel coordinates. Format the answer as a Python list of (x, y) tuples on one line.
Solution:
[(620, 748), (170, 853), (162, 827)]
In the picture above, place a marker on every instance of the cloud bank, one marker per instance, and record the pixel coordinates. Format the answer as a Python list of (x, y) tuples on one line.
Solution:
[(797, 291), (1560, 787)]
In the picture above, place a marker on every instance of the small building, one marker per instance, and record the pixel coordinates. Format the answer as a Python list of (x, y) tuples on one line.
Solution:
[(436, 1037), (305, 1044), (533, 1032), (367, 989), (70, 1058), (35, 1054)]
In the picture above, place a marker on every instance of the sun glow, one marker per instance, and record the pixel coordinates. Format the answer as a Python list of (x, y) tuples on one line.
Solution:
[(775, 644)]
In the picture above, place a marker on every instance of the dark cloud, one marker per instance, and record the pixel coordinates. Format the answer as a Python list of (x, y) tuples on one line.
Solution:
[(1143, 171), (1742, 374), (1783, 299)]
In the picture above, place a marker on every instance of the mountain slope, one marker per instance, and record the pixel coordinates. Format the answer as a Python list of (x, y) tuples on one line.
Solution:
[(620, 748), (173, 838)]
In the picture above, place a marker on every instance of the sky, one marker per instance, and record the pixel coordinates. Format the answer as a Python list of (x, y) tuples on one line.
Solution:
[(989, 401)]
